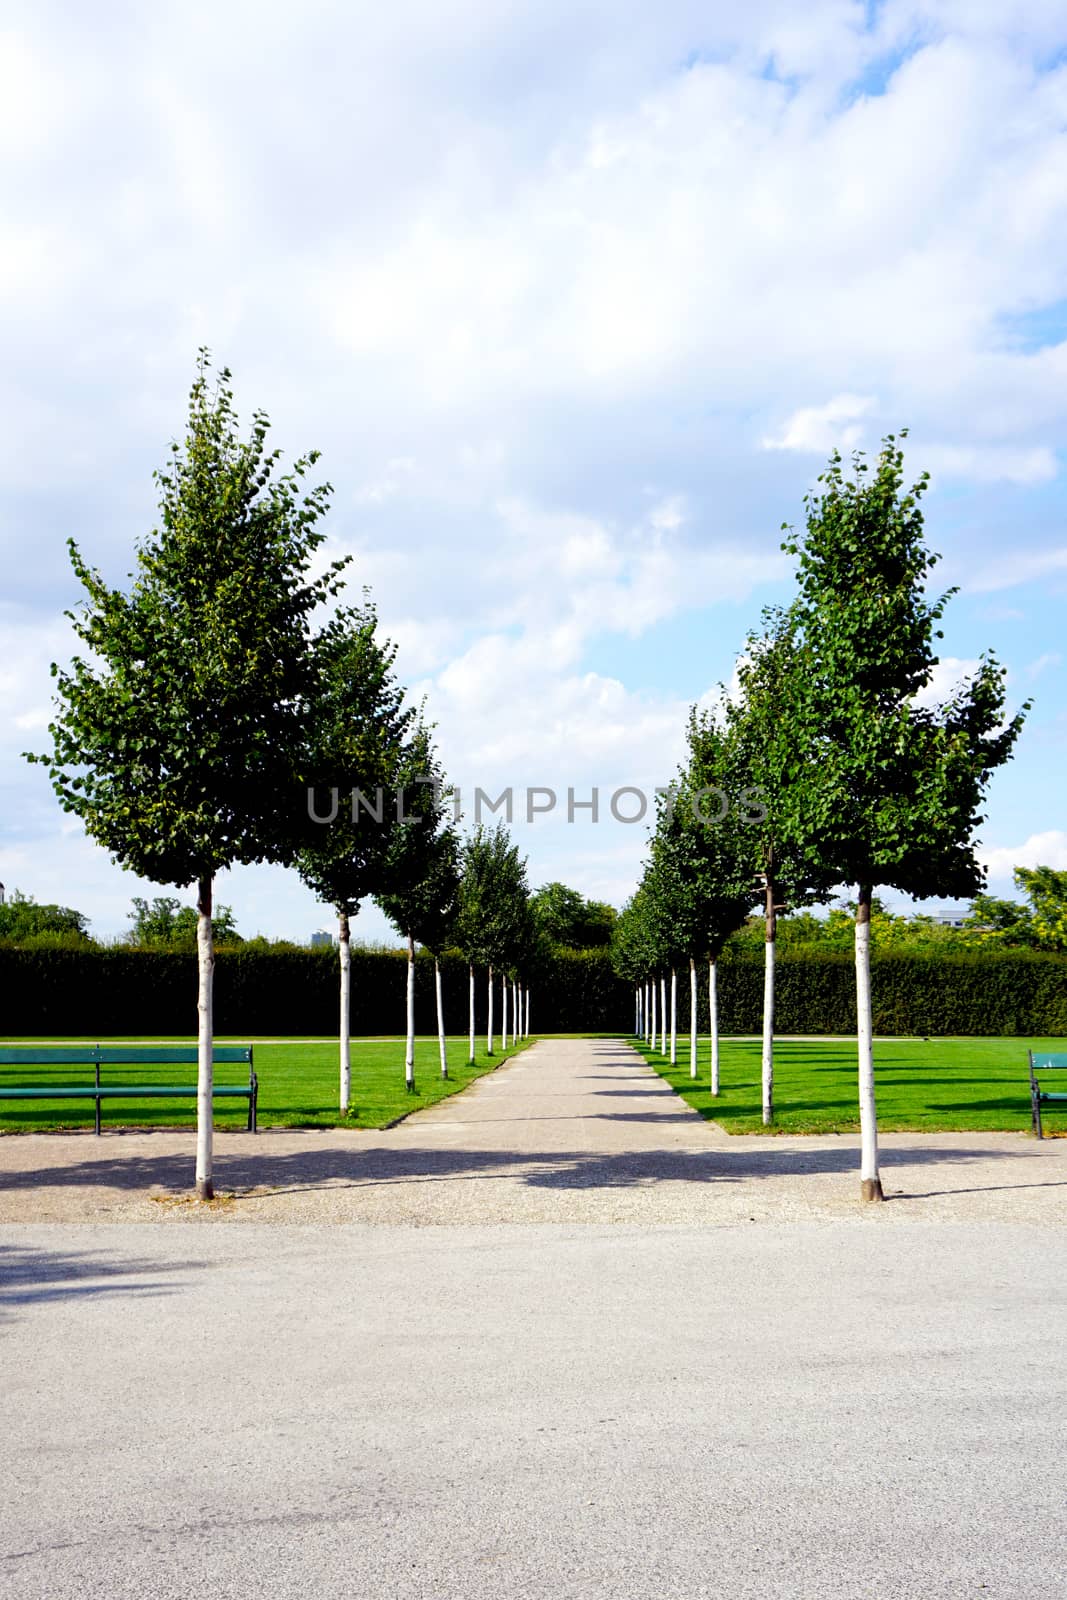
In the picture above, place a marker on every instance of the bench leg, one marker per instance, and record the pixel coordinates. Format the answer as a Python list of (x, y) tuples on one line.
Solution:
[(1035, 1114), (96, 1103)]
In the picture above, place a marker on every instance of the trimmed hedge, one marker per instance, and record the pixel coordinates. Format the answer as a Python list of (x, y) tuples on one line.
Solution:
[(116, 991), (144, 992)]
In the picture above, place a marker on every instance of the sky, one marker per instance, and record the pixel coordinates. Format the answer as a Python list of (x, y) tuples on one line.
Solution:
[(575, 299)]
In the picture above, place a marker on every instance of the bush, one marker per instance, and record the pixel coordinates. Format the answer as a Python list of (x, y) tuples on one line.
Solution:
[(65, 989)]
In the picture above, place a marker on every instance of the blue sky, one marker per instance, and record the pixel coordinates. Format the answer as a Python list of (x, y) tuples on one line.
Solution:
[(575, 300)]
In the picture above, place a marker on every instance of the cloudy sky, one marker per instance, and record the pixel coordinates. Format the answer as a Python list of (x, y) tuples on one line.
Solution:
[(574, 298)]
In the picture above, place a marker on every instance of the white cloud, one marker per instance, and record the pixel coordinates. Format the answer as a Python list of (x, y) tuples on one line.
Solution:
[(990, 464), (945, 678), (507, 272), (1048, 849), (1021, 566), (1043, 663), (820, 429)]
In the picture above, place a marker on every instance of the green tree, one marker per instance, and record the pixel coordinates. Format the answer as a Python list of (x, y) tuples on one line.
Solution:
[(708, 831), (420, 876), (762, 751), (886, 791), (1046, 889), (22, 919), (354, 742), (164, 921), (566, 917), (177, 744), (494, 922)]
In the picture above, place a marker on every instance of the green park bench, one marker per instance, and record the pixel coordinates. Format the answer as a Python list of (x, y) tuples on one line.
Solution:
[(97, 1056), (1043, 1062)]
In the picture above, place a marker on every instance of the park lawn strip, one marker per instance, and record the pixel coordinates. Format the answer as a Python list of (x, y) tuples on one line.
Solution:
[(297, 1085), (923, 1085)]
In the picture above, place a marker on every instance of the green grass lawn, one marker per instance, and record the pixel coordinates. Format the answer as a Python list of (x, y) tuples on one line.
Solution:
[(924, 1086), (298, 1085)]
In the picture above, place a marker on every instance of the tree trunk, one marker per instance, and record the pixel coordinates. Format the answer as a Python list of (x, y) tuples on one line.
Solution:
[(637, 1012), (692, 1018), (409, 1057), (663, 1016), (503, 1013), (440, 1018), (527, 1028), (652, 1041), (489, 1024), (471, 1000), (650, 1027), (674, 1016), (344, 953), (768, 1005), (870, 1182), (713, 1022), (205, 1004)]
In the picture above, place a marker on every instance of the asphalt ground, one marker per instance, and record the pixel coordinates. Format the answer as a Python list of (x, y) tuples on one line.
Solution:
[(835, 1401)]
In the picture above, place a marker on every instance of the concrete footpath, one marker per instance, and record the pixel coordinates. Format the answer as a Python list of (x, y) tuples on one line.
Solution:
[(569, 1131), (646, 1362)]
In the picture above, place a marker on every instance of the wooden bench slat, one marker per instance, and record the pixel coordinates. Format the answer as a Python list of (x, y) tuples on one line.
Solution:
[(124, 1055)]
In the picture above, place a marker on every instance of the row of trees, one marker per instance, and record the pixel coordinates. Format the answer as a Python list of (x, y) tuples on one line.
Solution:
[(823, 766), (228, 694)]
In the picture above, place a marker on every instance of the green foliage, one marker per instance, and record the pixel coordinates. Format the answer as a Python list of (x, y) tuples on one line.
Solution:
[(566, 917), (355, 729), (176, 743), (762, 747), (114, 991), (1047, 892), (21, 919), (280, 990), (494, 925), (165, 922), (886, 791), (420, 869)]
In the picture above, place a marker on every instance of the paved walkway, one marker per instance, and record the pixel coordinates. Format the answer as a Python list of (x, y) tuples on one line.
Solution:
[(570, 1131)]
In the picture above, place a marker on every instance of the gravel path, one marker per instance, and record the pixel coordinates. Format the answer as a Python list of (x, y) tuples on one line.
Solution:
[(571, 1131)]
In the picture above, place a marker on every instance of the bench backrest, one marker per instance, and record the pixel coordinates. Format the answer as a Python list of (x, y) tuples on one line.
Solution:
[(115, 1055), (1047, 1061)]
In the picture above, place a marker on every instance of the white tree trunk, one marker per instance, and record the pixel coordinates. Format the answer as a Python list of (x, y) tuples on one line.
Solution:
[(471, 1001), (768, 1032), (344, 954), (713, 1021), (870, 1182), (440, 1018), (503, 1013), (205, 1011), (663, 1016), (409, 1057), (527, 1029), (489, 1023), (692, 1018), (674, 1017), (650, 1011), (516, 1027), (652, 1041), (637, 1012)]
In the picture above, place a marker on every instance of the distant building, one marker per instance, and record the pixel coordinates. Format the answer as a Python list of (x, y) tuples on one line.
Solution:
[(950, 916), (323, 936)]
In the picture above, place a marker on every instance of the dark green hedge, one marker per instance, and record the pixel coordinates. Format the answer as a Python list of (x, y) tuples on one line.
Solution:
[(257, 992)]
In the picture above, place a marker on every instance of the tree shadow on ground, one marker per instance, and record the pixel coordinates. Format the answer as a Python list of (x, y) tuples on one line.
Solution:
[(380, 1166), (29, 1276)]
